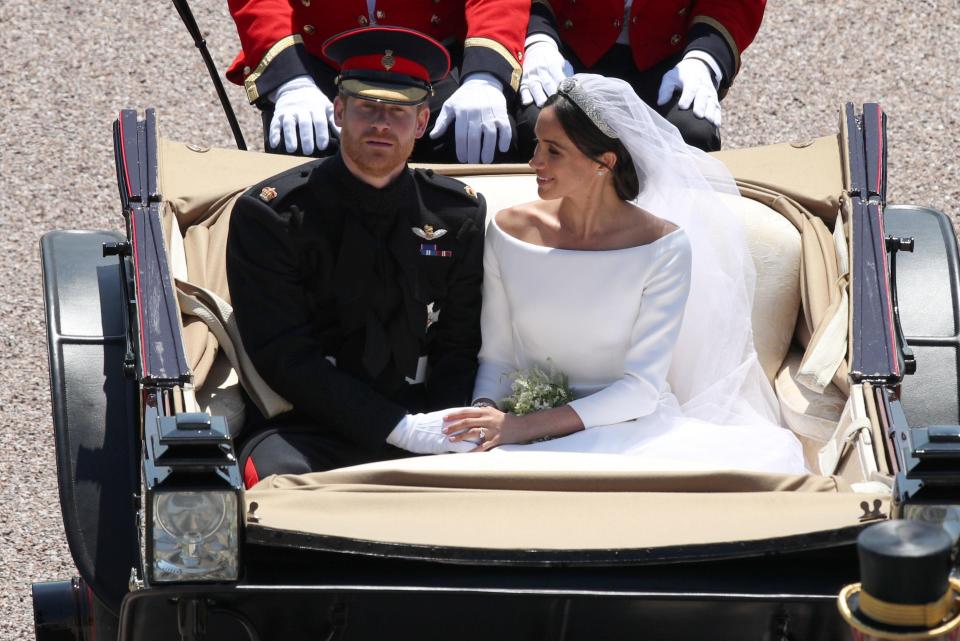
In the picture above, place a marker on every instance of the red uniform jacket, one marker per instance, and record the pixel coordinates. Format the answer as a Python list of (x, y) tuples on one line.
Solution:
[(659, 29), (279, 37)]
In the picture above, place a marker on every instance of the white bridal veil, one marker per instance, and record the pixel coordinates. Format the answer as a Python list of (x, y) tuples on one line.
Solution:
[(715, 373)]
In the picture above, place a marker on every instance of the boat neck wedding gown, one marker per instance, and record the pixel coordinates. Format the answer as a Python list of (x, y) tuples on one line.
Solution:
[(675, 384)]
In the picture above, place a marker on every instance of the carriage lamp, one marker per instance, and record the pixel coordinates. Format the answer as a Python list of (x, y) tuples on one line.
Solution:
[(193, 500), (947, 516)]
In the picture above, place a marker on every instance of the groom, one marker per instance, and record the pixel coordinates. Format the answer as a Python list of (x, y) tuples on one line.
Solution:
[(356, 281)]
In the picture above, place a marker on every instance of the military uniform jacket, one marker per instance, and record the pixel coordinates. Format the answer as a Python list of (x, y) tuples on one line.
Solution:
[(659, 29), (283, 38), (339, 288)]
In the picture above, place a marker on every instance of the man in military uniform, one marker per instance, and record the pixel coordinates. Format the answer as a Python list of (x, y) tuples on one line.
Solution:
[(680, 56), (287, 76), (356, 281)]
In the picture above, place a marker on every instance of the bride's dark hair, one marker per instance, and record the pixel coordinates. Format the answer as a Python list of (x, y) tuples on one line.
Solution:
[(593, 143)]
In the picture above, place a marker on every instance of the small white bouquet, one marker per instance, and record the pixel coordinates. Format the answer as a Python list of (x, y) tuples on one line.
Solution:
[(534, 389)]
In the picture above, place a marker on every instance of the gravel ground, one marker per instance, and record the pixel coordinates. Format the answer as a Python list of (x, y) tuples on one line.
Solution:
[(65, 75)]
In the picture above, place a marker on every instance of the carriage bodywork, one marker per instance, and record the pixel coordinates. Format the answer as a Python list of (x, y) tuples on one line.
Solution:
[(145, 379)]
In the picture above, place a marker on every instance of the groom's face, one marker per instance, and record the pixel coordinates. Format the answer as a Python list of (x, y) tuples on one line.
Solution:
[(377, 138), (562, 169)]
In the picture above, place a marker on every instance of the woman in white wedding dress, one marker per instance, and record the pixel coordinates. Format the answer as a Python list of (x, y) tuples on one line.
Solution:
[(632, 278)]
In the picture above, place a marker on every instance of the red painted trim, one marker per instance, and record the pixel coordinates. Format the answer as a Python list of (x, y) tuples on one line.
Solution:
[(250, 475), (92, 620), (123, 156)]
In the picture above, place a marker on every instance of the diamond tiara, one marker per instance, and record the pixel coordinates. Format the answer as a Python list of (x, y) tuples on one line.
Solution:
[(572, 89)]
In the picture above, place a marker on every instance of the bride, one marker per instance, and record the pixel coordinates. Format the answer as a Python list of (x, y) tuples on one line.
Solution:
[(632, 278)]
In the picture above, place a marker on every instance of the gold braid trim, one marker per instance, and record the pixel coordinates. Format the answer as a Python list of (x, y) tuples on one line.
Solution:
[(924, 615), (503, 52), (250, 82), (711, 22)]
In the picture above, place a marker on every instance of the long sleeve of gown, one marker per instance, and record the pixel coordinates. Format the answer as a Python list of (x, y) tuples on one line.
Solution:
[(497, 354), (652, 339)]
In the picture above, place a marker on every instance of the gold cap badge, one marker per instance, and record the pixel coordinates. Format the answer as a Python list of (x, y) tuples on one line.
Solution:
[(388, 60), (267, 194), (470, 190)]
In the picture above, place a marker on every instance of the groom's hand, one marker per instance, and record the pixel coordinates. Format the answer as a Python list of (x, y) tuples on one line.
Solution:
[(424, 434), (486, 426)]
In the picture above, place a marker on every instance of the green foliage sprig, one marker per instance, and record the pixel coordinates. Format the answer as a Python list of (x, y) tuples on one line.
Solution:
[(535, 389)]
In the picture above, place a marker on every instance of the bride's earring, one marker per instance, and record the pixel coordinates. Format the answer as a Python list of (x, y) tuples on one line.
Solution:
[(601, 171)]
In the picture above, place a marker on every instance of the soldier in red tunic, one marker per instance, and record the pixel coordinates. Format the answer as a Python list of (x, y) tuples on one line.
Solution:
[(286, 75), (680, 56)]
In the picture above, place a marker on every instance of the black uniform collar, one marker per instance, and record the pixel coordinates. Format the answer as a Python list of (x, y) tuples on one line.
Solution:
[(364, 197)]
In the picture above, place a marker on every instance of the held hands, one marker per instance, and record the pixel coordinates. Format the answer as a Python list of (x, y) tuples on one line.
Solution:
[(424, 434), (487, 426), (480, 111), (544, 68), (692, 76), (300, 106)]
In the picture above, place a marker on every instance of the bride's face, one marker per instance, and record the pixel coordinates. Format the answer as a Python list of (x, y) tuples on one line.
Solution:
[(562, 169)]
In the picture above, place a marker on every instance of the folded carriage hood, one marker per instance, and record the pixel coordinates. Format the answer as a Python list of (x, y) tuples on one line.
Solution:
[(570, 508)]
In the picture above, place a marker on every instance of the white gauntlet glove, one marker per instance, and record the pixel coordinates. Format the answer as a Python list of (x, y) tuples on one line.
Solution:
[(480, 110), (421, 434), (693, 77), (544, 68), (300, 106)]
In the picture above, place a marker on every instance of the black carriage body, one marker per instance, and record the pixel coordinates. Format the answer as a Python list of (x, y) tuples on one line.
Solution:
[(306, 587)]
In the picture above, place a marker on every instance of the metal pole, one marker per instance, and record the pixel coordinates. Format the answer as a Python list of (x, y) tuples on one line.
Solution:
[(190, 22)]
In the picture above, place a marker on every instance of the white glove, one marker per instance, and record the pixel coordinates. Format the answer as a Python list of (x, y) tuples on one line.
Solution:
[(480, 109), (299, 105), (544, 67), (695, 81), (421, 434)]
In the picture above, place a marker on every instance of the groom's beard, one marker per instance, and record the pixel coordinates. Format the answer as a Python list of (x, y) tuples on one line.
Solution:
[(374, 158)]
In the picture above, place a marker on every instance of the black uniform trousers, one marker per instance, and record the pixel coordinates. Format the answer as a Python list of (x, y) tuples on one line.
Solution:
[(618, 63)]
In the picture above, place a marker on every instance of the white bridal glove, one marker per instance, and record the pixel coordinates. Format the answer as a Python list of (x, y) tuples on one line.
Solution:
[(480, 109), (421, 434), (544, 68), (300, 106), (693, 77)]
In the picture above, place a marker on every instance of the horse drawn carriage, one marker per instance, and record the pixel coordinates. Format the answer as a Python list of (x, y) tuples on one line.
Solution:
[(856, 326)]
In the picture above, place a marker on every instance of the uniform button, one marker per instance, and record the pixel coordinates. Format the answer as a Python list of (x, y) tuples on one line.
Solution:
[(633, 20), (682, 11), (380, 14), (675, 39), (246, 71), (309, 29), (434, 19), (568, 24), (519, 56), (305, 3), (362, 20), (617, 23)]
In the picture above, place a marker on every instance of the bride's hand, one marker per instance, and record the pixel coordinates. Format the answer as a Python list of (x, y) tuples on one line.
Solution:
[(487, 426)]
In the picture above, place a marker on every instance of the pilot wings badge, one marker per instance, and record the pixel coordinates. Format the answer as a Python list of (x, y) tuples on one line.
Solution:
[(427, 232)]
